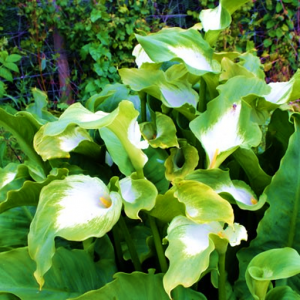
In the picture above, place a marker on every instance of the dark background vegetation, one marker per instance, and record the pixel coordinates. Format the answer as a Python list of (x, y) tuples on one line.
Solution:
[(72, 48)]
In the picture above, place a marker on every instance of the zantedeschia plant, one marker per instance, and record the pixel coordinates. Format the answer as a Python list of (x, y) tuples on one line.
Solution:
[(180, 183)]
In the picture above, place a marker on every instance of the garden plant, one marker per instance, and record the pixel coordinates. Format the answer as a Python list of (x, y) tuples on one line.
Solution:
[(181, 182)]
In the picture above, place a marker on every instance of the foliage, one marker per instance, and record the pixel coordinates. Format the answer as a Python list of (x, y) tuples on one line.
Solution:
[(150, 190), (99, 37)]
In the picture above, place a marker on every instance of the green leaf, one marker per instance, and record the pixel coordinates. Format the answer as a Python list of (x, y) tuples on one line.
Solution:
[(202, 203), (39, 107), (2, 89), (181, 161), (167, 207), (186, 46), (190, 246), (29, 191), (139, 286), (281, 293), (154, 169), (270, 265), (6, 74), (162, 134), (280, 224), (12, 58), (11, 66), (95, 15), (256, 175), (172, 93), (23, 127), (141, 237), (73, 273), (75, 208), (137, 194), (14, 225)]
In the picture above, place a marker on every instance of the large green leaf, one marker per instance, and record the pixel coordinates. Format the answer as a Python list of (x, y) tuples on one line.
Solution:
[(23, 127), (186, 46), (28, 192), (75, 208), (73, 273), (281, 222), (270, 265), (154, 169), (172, 93), (138, 286), (14, 225), (249, 162), (190, 246)]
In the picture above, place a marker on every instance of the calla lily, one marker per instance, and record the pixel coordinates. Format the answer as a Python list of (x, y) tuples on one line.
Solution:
[(220, 182), (141, 55), (222, 133), (190, 245), (75, 208)]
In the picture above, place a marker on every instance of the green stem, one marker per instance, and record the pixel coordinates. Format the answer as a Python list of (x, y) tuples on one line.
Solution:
[(130, 245), (140, 174), (202, 96), (119, 253), (222, 277), (143, 98), (158, 245)]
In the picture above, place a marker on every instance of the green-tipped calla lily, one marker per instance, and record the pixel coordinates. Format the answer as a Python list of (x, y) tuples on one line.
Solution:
[(220, 182), (202, 203), (222, 133), (271, 265), (59, 146), (172, 93), (75, 208), (182, 45), (140, 56), (190, 245), (217, 19), (137, 194), (119, 129), (163, 134)]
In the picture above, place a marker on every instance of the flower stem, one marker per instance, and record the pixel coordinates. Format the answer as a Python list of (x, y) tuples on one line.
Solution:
[(158, 245), (118, 248), (202, 96), (143, 98), (130, 245), (222, 277)]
